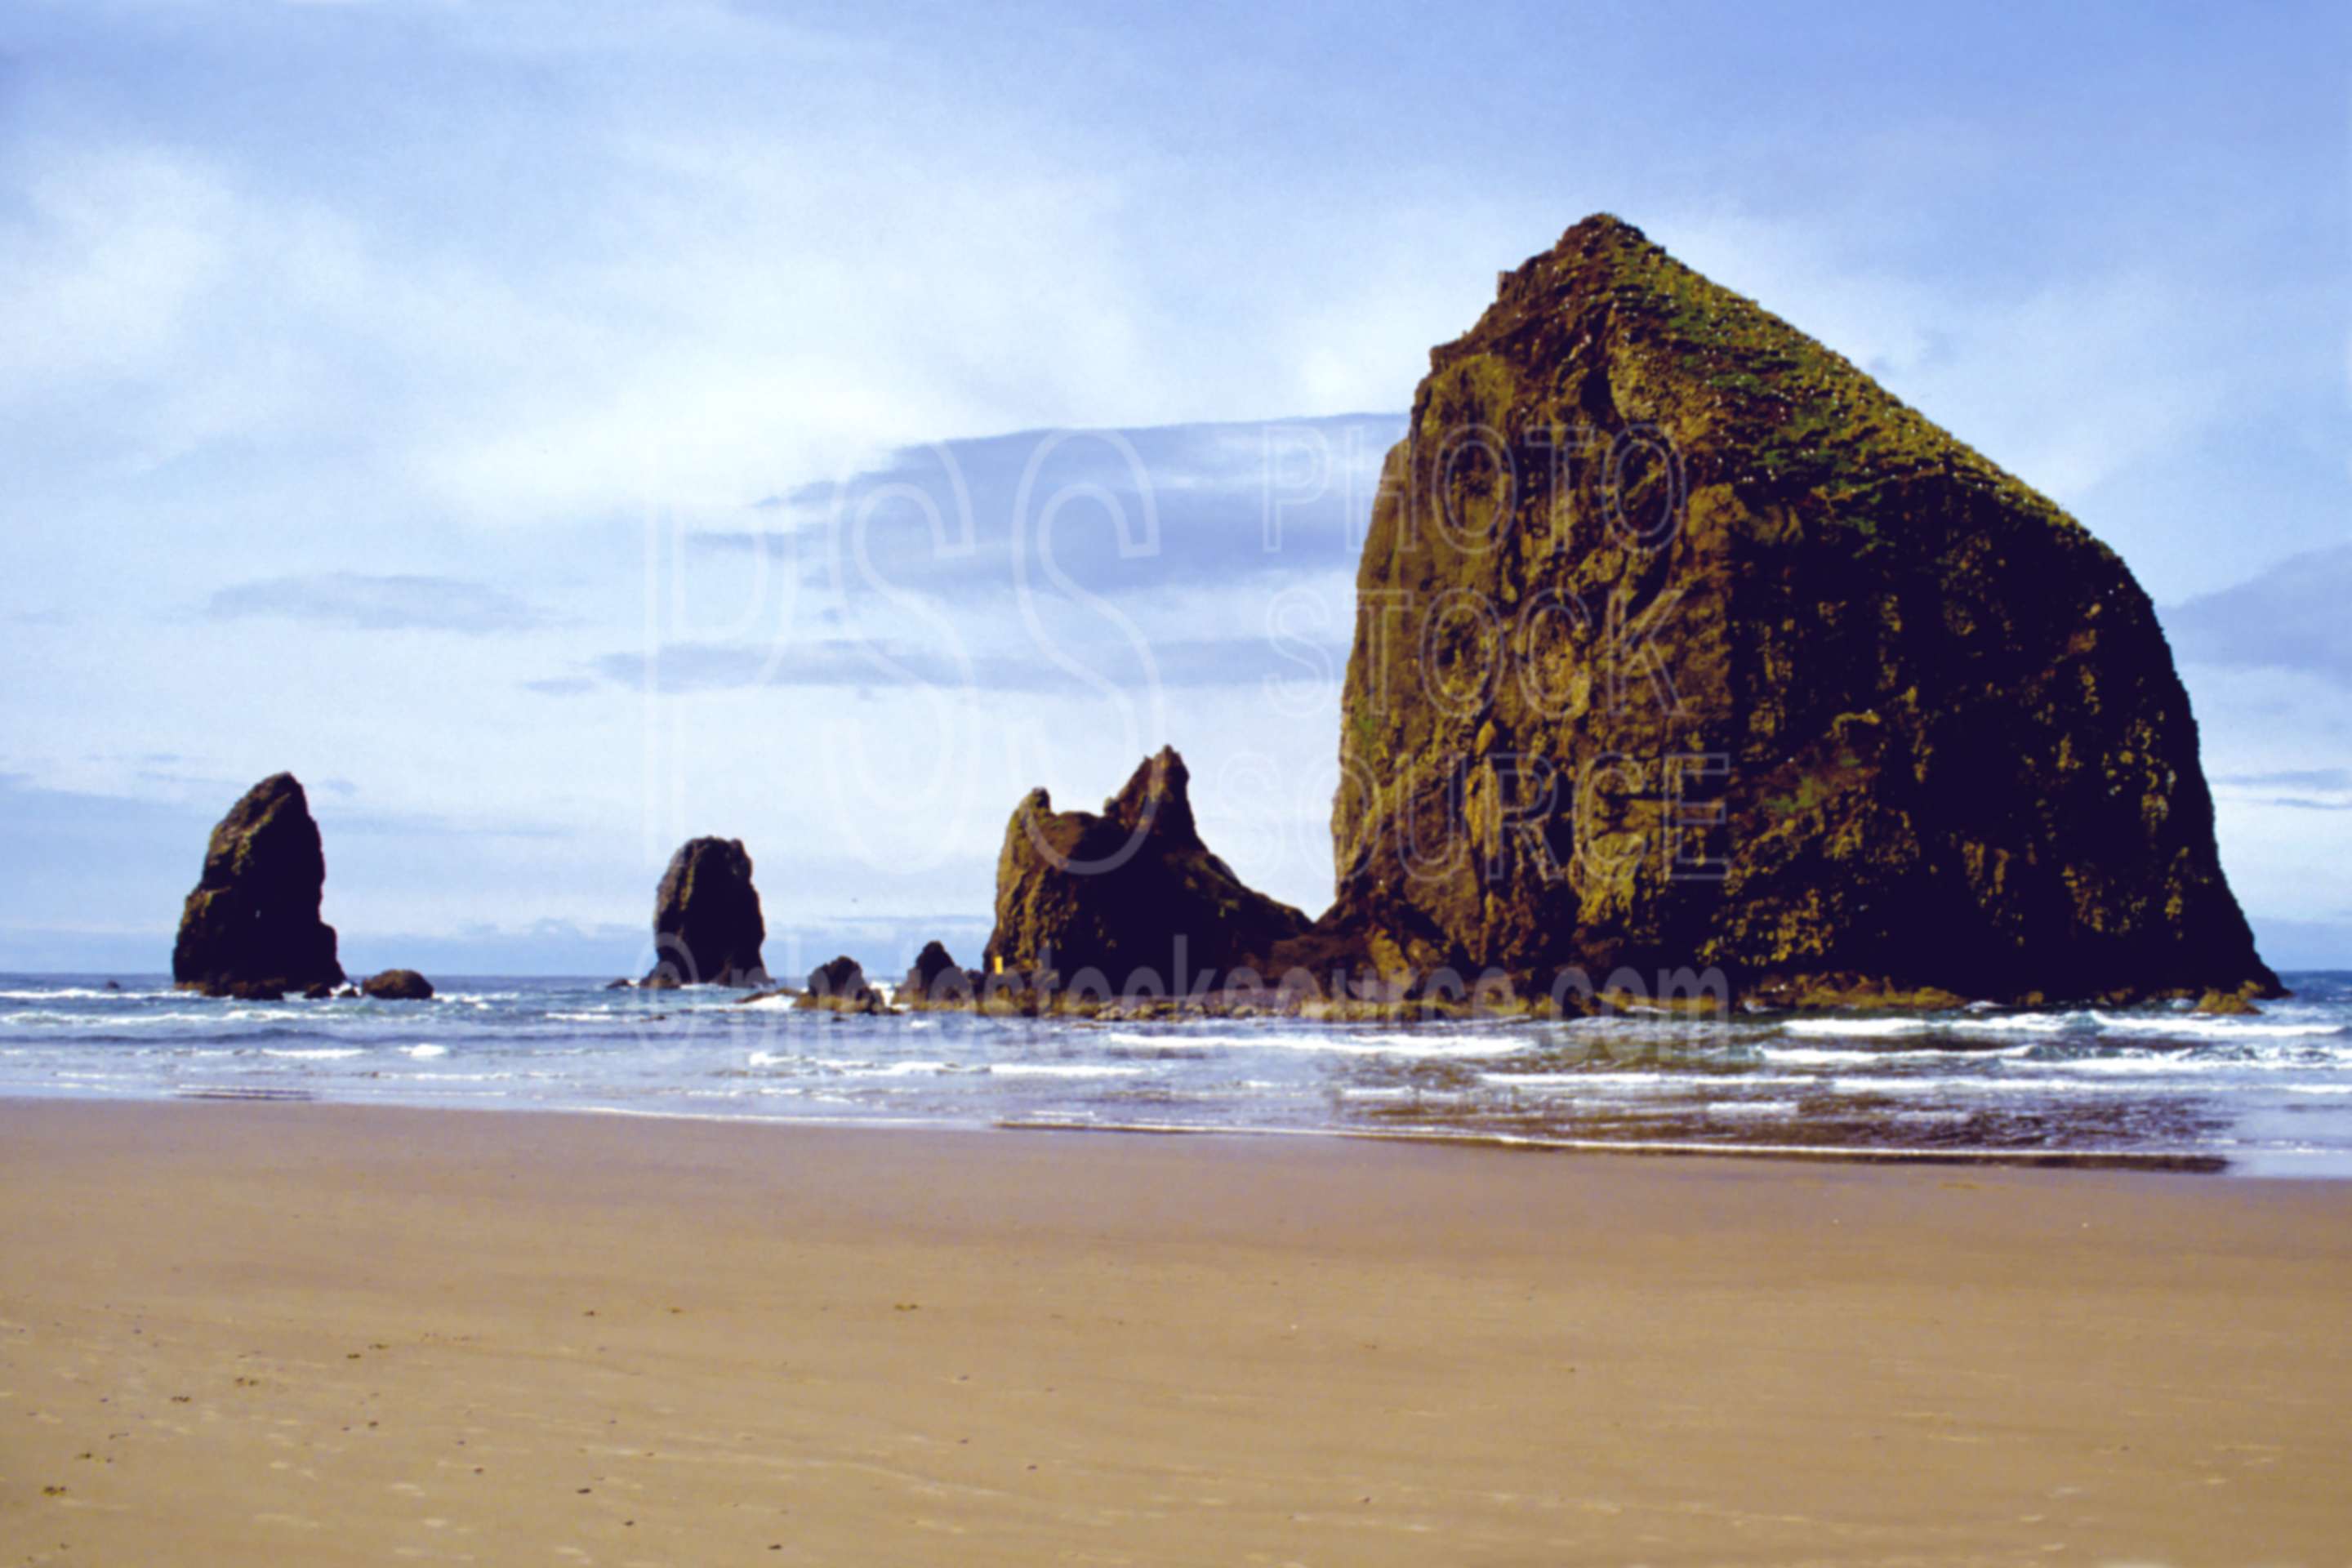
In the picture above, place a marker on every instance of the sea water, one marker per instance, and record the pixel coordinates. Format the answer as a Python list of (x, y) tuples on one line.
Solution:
[(2269, 1094)]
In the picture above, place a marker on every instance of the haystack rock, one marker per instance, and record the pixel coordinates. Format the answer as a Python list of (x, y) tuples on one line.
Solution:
[(1129, 890), (707, 924), (1681, 643), (251, 927)]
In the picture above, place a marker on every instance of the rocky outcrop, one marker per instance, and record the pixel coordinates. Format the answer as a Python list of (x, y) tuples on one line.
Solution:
[(841, 987), (397, 985), (937, 980), (1684, 644), (707, 924), (251, 928), (1131, 895)]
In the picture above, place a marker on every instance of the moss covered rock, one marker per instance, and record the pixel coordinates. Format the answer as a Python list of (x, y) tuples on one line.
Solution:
[(1126, 892), (707, 924), (251, 928), (1681, 642)]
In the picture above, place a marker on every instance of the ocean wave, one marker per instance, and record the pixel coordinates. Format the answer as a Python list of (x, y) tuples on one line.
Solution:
[(1654, 1082), (1864, 1028), (77, 994), (424, 1050), (2199, 1027), (1060, 1069), (1826, 1056), (315, 1053), (1428, 1047), (2017, 1024)]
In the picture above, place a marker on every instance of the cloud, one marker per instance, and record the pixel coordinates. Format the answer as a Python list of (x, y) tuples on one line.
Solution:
[(2291, 778), (1191, 663), (2290, 617), (1098, 510), (379, 604)]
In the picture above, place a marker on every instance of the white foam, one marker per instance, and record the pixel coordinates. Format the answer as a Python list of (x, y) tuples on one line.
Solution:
[(1751, 1108), (316, 1054), (1423, 1046), (2017, 1024), (421, 1052), (1867, 1029), (70, 994), (1654, 1081), (2207, 1028), (1824, 1056), (1058, 1069)]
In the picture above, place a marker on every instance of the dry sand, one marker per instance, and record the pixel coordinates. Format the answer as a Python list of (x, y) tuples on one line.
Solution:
[(264, 1334)]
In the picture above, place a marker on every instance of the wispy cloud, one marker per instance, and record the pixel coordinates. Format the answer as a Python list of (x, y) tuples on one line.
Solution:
[(1103, 512), (2291, 616), (379, 604), (2289, 778), (1186, 663)]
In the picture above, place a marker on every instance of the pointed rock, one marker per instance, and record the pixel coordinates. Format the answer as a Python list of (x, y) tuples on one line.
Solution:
[(251, 927), (937, 979), (1129, 890), (1683, 642), (707, 925)]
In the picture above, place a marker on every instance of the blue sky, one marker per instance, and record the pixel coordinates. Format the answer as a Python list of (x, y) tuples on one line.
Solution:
[(475, 409)]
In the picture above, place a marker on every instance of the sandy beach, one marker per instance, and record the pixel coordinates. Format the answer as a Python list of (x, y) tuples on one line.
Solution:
[(305, 1333)]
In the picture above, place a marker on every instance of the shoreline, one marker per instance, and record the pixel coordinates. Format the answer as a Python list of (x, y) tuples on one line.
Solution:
[(2171, 1162), (331, 1333)]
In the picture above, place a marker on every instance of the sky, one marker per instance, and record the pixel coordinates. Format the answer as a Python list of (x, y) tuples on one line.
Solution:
[(552, 431)]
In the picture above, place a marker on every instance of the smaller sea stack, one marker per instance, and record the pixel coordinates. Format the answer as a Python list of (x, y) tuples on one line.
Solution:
[(1129, 891), (938, 980), (251, 928), (707, 924), (397, 985)]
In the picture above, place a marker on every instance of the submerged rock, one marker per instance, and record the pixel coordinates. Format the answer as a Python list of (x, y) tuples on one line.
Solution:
[(1681, 643), (1132, 895), (707, 924), (251, 928), (2227, 1004), (398, 985)]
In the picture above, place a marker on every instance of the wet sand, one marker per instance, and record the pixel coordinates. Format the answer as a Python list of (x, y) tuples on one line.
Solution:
[(305, 1334)]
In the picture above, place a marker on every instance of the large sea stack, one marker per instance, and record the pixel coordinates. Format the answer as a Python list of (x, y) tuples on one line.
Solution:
[(1682, 643), (707, 925), (251, 927), (1129, 891)]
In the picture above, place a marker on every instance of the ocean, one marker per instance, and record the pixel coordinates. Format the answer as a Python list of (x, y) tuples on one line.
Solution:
[(2268, 1095)]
